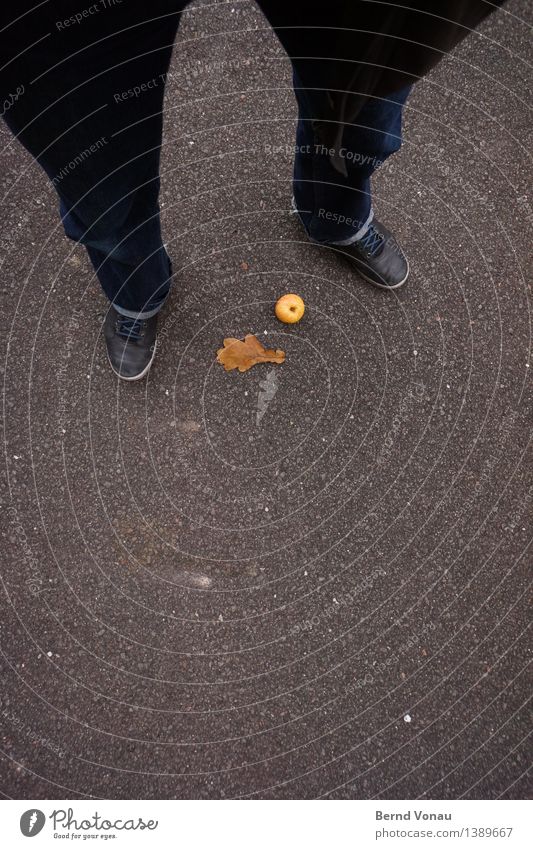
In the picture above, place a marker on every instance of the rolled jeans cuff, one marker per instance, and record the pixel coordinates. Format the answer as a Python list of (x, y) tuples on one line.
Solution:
[(359, 235), (139, 315)]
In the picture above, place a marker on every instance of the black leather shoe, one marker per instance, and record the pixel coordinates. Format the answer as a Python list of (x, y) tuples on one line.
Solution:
[(131, 344), (377, 257)]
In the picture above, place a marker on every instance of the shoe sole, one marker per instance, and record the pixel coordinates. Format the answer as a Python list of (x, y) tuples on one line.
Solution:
[(139, 376)]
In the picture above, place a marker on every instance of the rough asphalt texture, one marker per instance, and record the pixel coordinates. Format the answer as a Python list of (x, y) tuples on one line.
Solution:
[(309, 580)]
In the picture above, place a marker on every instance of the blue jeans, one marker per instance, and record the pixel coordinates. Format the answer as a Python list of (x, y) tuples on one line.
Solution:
[(93, 120), (336, 208), (91, 115)]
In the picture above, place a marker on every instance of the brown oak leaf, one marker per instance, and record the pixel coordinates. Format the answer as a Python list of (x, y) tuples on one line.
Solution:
[(244, 355)]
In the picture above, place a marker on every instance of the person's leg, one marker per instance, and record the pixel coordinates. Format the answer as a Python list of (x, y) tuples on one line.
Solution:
[(332, 195), (125, 248), (336, 209), (91, 114)]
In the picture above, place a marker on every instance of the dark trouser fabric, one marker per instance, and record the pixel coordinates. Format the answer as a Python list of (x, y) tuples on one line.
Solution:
[(91, 115), (93, 120), (336, 208)]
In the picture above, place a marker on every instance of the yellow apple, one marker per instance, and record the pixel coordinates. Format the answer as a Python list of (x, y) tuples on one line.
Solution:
[(290, 308)]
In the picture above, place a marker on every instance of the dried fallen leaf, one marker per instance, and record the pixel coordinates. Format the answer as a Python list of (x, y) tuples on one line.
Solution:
[(244, 355)]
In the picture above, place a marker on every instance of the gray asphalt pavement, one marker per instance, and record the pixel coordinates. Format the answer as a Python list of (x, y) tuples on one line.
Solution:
[(309, 580)]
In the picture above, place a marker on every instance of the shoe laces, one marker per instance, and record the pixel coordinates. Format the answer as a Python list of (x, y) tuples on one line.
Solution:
[(131, 328), (372, 241)]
